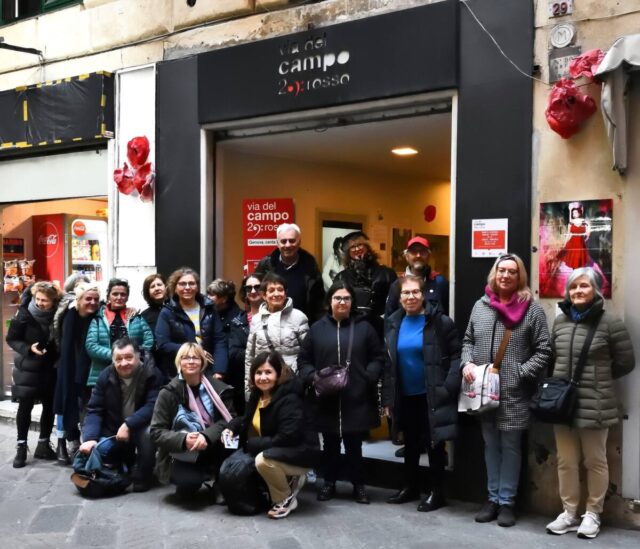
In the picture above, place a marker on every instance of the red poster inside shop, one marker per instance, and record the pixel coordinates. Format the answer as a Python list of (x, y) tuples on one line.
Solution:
[(260, 219)]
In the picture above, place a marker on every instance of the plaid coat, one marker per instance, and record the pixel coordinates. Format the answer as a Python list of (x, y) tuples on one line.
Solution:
[(527, 356)]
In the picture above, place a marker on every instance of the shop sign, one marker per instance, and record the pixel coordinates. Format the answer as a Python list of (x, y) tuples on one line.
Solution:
[(489, 237), (337, 64), (260, 219)]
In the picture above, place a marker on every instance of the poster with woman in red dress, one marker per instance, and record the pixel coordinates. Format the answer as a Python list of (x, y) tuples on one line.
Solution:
[(572, 235)]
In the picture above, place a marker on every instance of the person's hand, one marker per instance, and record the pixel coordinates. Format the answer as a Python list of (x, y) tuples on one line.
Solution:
[(123, 433), (469, 372), (209, 357), (218, 376), (386, 411), (36, 351), (87, 446), (226, 433), (199, 442), (190, 440)]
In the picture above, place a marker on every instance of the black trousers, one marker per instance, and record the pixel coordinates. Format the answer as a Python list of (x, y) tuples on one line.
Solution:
[(353, 456), (415, 419), (23, 417)]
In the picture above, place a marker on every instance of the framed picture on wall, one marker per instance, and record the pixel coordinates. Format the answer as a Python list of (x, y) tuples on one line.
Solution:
[(399, 239), (333, 227)]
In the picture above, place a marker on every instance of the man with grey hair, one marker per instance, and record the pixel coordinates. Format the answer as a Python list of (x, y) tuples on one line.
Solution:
[(299, 269)]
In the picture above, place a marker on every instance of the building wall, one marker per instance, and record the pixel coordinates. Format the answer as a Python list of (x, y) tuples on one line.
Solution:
[(580, 168), (325, 188)]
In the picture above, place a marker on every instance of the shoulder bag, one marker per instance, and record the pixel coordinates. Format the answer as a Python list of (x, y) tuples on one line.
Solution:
[(483, 393), (556, 398), (332, 379)]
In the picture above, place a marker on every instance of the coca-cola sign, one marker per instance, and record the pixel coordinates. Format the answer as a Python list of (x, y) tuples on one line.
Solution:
[(48, 239)]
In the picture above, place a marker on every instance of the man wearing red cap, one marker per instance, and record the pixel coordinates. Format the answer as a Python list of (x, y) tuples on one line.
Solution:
[(436, 286)]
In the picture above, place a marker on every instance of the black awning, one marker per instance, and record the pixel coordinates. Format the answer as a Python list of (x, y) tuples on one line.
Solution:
[(75, 111)]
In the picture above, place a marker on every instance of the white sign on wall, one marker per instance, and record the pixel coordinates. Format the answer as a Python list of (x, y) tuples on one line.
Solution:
[(489, 237)]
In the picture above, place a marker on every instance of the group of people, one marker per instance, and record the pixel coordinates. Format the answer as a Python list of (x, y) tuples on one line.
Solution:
[(168, 389)]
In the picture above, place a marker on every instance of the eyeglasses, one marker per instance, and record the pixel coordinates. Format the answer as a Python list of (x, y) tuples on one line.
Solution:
[(185, 284), (511, 272), (284, 241), (191, 359), (412, 293), (357, 246), (252, 288), (418, 250), (342, 298)]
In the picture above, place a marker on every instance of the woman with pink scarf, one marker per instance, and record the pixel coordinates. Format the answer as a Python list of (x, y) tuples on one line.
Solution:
[(507, 305), (190, 414)]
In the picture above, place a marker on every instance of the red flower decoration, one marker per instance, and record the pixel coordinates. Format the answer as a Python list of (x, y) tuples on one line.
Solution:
[(586, 64), (138, 151), (568, 108), (141, 175), (146, 193), (123, 178)]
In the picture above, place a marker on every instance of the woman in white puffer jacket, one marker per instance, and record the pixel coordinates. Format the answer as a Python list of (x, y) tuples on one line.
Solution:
[(277, 326)]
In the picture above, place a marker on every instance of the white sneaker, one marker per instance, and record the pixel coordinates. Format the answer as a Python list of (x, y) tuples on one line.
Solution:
[(296, 483), (282, 509), (590, 525), (566, 522)]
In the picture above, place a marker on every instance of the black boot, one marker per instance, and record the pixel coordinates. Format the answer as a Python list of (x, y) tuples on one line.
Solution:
[(434, 500), (404, 495), (62, 454), (21, 455), (44, 450)]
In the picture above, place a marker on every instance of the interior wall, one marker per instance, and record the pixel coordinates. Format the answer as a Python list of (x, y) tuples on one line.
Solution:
[(398, 201), (16, 219)]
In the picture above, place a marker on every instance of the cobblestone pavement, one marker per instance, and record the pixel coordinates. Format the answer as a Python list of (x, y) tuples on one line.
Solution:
[(39, 507)]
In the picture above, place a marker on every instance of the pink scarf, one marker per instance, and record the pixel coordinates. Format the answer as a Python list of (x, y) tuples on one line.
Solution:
[(512, 312), (215, 398)]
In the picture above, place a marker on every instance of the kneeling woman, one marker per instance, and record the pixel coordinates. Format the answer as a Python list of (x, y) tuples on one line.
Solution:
[(190, 414), (273, 431)]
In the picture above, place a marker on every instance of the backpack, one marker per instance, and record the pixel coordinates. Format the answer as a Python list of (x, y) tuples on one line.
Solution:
[(95, 480), (242, 487)]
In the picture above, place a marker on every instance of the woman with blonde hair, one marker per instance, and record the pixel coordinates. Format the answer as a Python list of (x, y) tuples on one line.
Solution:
[(188, 419), (506, 314)]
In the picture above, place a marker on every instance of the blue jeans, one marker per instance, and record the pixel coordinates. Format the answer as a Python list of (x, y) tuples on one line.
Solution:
[(503, 459), (138, 451)]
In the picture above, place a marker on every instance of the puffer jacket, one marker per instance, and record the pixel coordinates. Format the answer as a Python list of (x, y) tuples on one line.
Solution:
[(33, 375), (527, 356), (610, 357), (169, 441), (287, 329), (99, 341), (441, 352)]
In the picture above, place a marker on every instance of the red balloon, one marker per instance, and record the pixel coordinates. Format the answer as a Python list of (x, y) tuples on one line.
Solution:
[(430, 213)]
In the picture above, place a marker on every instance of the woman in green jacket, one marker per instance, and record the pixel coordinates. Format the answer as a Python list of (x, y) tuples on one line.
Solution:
[(111, 323), (610, 356)]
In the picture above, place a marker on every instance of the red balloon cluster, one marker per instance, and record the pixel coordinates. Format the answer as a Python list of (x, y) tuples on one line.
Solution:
[(140, 177)]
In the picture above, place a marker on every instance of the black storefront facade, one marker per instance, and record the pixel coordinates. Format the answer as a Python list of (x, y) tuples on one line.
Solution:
[(402, 54)]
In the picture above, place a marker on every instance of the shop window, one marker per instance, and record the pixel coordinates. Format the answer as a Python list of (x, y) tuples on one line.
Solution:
[(13, 10)]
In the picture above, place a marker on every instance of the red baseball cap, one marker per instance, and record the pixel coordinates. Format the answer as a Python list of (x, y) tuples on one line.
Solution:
[(418, 240)]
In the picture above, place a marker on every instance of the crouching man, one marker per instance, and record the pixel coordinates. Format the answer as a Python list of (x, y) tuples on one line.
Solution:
[(121, 406)]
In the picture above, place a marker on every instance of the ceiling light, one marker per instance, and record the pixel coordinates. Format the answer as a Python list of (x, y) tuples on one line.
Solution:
[(404, 151)]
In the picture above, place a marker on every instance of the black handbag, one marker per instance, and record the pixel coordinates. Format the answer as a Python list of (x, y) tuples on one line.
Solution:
[(556, 398), (332, 379)]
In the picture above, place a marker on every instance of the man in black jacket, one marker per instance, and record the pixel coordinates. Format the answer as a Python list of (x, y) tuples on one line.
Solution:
[(299, 269), (121, 406)]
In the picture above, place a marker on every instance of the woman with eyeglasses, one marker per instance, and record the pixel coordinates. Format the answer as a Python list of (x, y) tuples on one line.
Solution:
[(420, 388), (277, 327), (190, 414), (189, 316), (30, 335), (345, 417), (507, 304), (112, 323), (251, 295)]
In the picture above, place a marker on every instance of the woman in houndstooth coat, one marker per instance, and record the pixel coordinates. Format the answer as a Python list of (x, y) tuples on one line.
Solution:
[(507, 303)]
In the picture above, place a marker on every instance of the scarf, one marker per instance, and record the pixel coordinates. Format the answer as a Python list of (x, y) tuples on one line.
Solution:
[(578, 316), (209, 398), (510, 313), (43, 318)]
